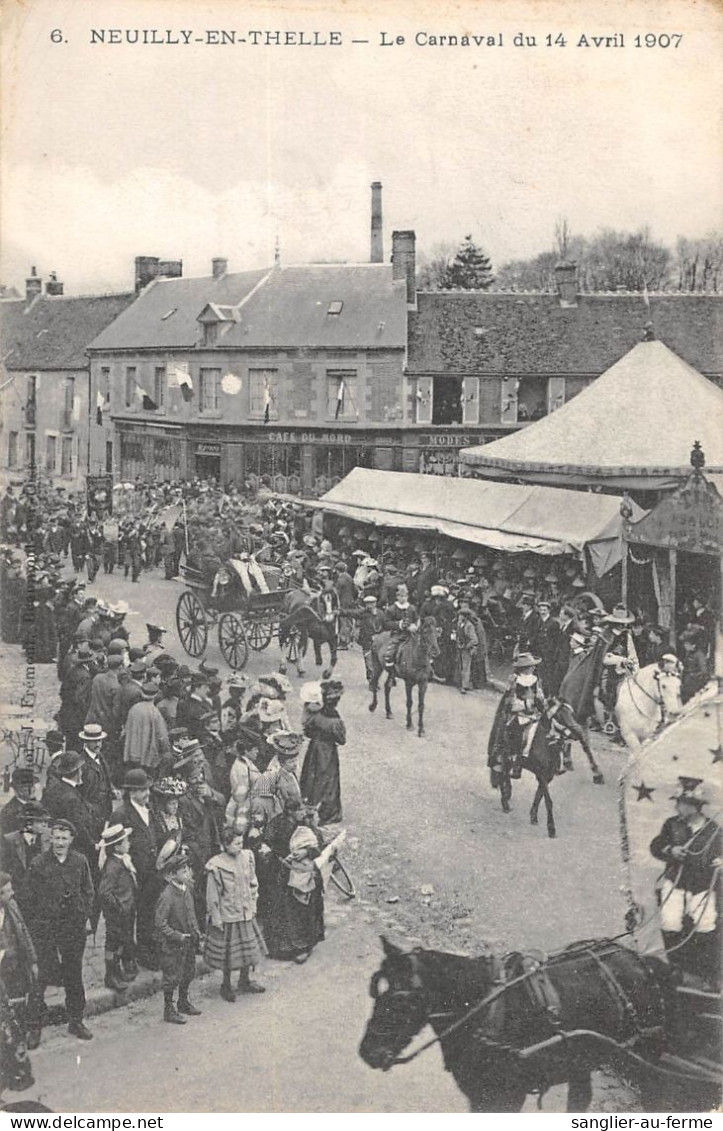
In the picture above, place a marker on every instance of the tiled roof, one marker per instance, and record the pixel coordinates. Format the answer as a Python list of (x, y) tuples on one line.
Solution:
[(284, 308), (54, 333), (482, 332), (165, 314), (292, 309)]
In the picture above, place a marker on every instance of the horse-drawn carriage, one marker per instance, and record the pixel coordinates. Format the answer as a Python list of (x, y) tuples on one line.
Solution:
[(243, 599)]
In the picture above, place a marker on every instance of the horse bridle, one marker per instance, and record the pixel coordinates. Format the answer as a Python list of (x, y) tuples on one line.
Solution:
[(658, 702)]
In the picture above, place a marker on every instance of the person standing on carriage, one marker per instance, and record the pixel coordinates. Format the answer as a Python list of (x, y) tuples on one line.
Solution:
[(691, 846)]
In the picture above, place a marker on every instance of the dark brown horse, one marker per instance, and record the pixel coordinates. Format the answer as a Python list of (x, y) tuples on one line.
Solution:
[(413, 665), (300, 620), (519, 1025), (545, 754)]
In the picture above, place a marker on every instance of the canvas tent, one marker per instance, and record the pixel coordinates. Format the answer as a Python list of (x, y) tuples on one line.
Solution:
[(632, 428), (501, 516)]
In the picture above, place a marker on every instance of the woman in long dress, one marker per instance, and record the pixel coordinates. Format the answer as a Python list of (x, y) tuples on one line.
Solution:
[(320, 776)]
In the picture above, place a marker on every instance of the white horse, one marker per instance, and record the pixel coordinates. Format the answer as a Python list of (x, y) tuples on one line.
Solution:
[(646, 700)]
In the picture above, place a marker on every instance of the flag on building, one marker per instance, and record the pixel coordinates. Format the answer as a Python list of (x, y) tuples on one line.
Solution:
[(146, 402), (99, 402), (180, 378), (339, 398)]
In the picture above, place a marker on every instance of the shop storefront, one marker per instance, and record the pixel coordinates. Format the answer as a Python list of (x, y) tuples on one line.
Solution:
[(437, 453), (151, 452)]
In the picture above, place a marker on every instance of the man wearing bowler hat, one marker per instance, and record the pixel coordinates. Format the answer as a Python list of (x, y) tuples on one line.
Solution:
[(60, 898), (22, 781), (63, 798), (133, 813)]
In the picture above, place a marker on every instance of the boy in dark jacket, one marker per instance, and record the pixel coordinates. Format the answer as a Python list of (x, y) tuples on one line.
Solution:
[(177, 933)]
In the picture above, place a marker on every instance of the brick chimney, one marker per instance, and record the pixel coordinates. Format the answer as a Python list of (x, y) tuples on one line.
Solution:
[(150, 267), (566, 278), (53, 285), (33, 285), (404, 263), (219, 267), (377, 246)]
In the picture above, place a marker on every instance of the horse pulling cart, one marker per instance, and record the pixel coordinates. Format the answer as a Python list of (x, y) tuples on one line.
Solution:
[(242, 600)]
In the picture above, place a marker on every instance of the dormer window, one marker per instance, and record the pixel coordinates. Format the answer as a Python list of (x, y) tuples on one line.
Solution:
[(335, 307), (168, 314)]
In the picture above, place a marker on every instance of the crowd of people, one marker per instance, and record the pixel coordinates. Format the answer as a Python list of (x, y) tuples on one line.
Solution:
[(173, 805)]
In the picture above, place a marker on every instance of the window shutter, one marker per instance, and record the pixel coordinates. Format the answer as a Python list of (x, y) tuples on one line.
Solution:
[(425, 392), (470, 400), (555, 393), (508, 405)]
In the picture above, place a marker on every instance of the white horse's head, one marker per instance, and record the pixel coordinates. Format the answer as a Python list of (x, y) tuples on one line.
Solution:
[(669, 687)]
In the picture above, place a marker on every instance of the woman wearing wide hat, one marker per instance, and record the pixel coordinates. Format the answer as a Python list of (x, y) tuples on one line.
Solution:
[(117, 892)]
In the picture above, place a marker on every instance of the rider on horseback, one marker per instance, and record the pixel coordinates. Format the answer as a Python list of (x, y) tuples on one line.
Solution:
[(401, 619), (619, 661), (521, 705)]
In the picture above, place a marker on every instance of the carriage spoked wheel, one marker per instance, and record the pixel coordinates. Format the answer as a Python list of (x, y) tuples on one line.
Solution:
[(191, 623), (341, 879), (259, 634), (232, 640)]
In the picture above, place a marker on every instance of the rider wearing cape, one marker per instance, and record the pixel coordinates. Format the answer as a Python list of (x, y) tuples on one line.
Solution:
[(522, 703)]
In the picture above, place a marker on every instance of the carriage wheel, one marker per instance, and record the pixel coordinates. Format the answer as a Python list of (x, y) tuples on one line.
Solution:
[(259, 635), (293, 654), (191, 624), (341, 880), (232, 641)]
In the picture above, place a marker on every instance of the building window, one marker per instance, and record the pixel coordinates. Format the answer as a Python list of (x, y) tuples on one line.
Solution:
[(210, 380), (30, 449), (68, 400), (130, 384), (109, 457), (66, 456), (159, 386), (263, 385), (31, 400), (447, 400), (555, 393), (12, 449), (104, 384), (50, 453), (341, 398)]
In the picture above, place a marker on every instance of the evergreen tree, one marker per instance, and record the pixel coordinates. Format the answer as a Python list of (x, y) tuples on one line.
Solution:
[(470, 270)]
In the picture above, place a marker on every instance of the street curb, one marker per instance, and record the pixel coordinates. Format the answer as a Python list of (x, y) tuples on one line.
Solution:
[(100, 999)]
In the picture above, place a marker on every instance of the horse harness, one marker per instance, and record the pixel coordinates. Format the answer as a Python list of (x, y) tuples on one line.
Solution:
[(658, 702), (529, 971)]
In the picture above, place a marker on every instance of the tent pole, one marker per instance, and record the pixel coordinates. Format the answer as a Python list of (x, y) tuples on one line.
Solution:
[(673, 562), (624, 580)]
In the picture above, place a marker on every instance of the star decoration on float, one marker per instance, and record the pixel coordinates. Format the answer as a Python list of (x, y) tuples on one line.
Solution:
[(644, 792), (717, 754)]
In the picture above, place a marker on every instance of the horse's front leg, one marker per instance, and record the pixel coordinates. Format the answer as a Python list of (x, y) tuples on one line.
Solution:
[(597, 774), (506, 791), (408, 688), (387, 693), (551, 830), (374, 688), (421, 693), (536, 804), (579, 1092)]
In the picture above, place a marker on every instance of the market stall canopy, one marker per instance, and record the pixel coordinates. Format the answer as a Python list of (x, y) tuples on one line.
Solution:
[(691, 747), (502, 516), (632, 427)]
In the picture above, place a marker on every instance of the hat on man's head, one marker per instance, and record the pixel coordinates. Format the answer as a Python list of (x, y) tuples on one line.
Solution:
[(61, 823), (92, 732), (136, 779), (137, 668), (525, 660), (207, 669), (369, 599), (117, 646), (68, 763), (114, 660), (199, 679), (54, 741), (692, 791), (34, 811), (619, 615), (112, 834), (156, 629), (149, 689)]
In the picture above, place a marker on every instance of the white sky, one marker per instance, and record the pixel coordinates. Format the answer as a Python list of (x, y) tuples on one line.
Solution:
[(190, 152)]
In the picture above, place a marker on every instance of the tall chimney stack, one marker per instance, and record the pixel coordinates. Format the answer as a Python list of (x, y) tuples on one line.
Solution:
[(377, 247), (566, 278), (219, 267), (403, 262), (33, 285)]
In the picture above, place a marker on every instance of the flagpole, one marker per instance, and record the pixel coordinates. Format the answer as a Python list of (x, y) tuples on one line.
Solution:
[(185, 525)]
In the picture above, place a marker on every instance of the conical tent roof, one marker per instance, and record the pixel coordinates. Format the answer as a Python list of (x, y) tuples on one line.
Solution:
[(634, 426)]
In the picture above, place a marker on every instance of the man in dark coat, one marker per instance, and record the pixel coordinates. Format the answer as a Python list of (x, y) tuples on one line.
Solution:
[(546, 645), (320, 776), (75, 694), (18, 849), (18, 959), (130, 693), (12, 815), (133, 813), (63, 798), (60, 897)]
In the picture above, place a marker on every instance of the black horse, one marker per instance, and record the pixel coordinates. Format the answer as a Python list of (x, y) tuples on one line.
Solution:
[(519, 1025), (545, 754), (298, 617), (413, 665)]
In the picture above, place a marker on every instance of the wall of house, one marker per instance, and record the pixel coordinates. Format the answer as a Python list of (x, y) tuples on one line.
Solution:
[(44, 416)]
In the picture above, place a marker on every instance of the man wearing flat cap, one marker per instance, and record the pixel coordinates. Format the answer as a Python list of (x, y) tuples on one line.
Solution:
[(63, 798), (60, 898)]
